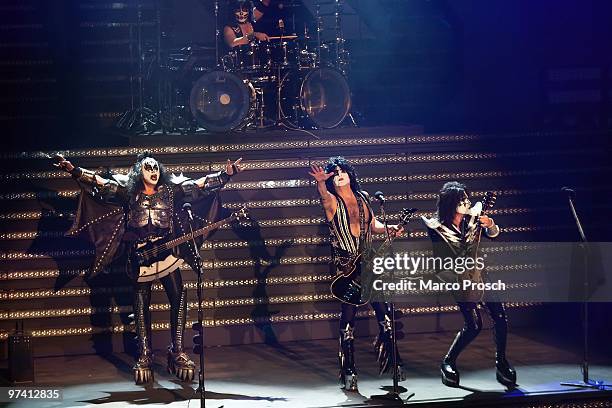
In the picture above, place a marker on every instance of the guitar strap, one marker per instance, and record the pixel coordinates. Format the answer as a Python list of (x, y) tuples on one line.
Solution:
[(362, 226)]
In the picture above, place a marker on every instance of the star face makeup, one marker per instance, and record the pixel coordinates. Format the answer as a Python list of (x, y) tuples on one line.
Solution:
[(341, 178), (464, 206)]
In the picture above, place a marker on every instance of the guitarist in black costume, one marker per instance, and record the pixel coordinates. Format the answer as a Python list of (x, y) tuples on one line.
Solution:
[(120, 213), (351, 222), (454, 231)]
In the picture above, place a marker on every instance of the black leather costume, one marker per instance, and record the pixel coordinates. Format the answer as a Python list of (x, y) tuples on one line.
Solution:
[(115, 223), (343, 243), (449, 241)]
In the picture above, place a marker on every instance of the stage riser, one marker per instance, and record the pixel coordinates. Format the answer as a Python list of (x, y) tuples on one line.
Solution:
[(262, 333), (528, 171)]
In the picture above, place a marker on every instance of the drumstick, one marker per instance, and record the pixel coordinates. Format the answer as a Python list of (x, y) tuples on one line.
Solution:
[(286, 37)]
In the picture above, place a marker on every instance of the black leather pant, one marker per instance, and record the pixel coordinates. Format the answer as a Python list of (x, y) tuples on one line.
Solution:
[(473, 325), (383, 344), (173, 286), (348, 313)]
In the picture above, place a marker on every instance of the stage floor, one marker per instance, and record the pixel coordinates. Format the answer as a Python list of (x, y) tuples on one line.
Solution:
[(303, 374)]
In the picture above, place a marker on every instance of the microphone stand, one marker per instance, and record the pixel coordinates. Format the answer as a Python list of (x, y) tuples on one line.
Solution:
[(394, 394), (586, 381), (200, 272), (217, 32)]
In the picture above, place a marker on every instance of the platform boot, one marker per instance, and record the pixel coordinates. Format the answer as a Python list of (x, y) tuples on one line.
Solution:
[(179, 362), (383, 347), (448, 367), (143, 371), (346, 357)]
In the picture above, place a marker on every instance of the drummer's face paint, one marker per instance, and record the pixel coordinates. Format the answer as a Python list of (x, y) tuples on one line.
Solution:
[(242, 15), (150, 171), (341, 178)]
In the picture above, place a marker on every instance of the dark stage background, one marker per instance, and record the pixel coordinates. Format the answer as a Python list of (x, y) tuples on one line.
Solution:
[(513, 95), (69, 67)]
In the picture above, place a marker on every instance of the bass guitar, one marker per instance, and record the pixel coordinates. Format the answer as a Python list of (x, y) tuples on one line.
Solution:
[(158, 256)]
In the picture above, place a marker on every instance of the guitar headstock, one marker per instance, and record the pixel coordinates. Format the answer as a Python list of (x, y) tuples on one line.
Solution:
[(406, 214), (242, 214), (488, 201)]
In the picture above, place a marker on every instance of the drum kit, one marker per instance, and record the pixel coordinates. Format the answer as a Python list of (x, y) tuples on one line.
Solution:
[(288, 81)]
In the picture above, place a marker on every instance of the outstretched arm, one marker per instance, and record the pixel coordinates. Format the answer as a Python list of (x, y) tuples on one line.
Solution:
[(78, 173), (215, 181), (327, 199), (109, 190)]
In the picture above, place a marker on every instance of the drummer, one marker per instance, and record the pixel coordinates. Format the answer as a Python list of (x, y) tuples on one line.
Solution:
[(241, 31)]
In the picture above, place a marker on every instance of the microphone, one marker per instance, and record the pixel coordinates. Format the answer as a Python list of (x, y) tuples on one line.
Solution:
[(187, 208), (570, 191), (380, 196), (281, 25)]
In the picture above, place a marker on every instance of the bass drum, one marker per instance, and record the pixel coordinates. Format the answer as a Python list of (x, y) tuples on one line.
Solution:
[(221, 101), (317, 98)]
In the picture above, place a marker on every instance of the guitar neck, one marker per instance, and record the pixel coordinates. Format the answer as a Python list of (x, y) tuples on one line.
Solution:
[(387, 243), (479, 226), (198, 233)]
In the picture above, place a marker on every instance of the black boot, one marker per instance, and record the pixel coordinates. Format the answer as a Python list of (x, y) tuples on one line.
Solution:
[(471, 328), (346, 359), (179, 362), (383, 347), (143, 372), (448, 367), (506, 375), (450, 374)]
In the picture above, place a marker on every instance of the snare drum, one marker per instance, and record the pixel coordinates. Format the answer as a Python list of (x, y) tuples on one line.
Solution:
[(283, 53), (254, 57)]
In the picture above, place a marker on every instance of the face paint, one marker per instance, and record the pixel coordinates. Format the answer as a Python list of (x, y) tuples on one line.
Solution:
[(242, 15), (341, 178), (464, 206), (150, 171)]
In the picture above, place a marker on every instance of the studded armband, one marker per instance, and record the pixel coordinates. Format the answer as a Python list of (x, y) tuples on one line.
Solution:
[(493, 231), (84, 176), (216, 181)]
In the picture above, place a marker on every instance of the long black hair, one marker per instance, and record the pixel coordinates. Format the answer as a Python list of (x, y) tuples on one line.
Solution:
[(135, 184), (451, 194), (341, 162)]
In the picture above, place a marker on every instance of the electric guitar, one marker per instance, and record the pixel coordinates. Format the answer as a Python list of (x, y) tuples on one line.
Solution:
[(158, 256), (476, 274), (346, 287)]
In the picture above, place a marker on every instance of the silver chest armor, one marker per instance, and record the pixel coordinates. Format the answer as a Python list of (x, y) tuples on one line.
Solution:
[(152, 211)]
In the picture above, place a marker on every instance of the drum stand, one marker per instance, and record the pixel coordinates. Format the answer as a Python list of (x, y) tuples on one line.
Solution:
[(352, 119), (138, 118)]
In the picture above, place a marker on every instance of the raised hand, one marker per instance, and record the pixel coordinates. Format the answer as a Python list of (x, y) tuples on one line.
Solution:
[(319, 174), (233, 168), (62, 163)]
